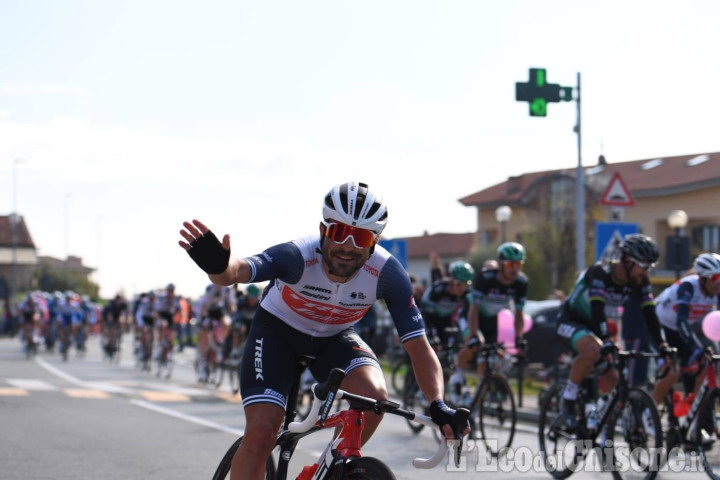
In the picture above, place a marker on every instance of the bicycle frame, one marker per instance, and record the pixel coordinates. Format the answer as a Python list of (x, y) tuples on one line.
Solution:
[(709, 385), (347, 443)]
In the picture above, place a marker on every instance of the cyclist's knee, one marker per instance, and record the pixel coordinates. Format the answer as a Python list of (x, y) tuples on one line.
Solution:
[(366, 381), (261, 430)]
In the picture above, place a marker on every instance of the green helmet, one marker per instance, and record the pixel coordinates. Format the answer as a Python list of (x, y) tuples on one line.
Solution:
[(511, 251), (462, 271), (253, 291)]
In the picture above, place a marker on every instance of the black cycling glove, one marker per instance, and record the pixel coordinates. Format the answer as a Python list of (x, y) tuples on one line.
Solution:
[(209, 254), (441, 414)]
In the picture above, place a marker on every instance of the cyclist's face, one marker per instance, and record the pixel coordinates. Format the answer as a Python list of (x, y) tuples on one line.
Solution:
[(713, 287), (509, 270), (342, 260), (457, 287), (638, 271)]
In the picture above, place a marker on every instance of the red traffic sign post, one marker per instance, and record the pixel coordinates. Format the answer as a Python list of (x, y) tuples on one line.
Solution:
[(617, 193)]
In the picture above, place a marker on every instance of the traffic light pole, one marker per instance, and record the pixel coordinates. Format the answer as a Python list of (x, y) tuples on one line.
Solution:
[(580, 187), (538, 93)]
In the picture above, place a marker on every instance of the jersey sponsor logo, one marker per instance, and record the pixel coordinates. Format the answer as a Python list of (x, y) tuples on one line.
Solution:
[(267, 257), (314, 295), (321, 312), (565, 330), (311, 262), (417, 318), (359, 295), (318, 289), (372, 271), (698, 312), (319, 296), (258, 364), (273, 393)]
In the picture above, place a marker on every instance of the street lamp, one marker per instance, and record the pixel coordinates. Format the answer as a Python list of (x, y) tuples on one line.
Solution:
[(14, 221), (502, 215), (678, 246)]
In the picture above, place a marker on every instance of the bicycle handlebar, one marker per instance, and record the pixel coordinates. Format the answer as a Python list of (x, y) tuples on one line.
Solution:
[(330, 386)]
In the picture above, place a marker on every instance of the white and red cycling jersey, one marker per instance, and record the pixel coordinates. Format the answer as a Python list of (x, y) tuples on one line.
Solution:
[(303, 296), (684, 291)]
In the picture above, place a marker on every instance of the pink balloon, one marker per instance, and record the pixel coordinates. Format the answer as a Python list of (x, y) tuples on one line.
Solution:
[(527, 322), (506, 320), (711, 326)]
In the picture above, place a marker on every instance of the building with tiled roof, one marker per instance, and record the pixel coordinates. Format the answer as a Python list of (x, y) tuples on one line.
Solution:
[(17, 254), (657, 186)]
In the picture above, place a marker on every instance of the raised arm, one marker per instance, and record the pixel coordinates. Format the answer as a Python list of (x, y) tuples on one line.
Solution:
[(212, 256)]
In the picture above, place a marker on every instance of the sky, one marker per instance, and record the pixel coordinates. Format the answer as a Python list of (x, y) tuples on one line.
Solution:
[(119, 120)]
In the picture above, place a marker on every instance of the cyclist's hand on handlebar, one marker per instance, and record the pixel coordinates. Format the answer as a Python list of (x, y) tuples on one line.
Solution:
[(204, 248), (522, 345), (667, 352), (473, 342), (445, 417)]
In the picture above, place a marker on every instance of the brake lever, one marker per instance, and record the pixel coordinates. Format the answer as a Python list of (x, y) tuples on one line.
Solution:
[(459, 423)]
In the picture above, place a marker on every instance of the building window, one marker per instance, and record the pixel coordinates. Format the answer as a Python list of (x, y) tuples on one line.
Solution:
[(706, 238)]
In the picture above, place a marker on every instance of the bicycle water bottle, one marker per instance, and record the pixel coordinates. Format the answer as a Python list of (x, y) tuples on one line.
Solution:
[(591, 416)]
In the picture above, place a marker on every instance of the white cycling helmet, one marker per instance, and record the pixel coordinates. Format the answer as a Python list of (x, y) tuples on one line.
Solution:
[(707, 264), (353, 203)]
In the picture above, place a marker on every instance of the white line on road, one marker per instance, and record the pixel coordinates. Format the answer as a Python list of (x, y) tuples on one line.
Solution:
[(188, 418)]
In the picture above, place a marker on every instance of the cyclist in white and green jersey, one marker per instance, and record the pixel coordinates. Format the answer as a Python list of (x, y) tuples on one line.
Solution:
[(583, 323)]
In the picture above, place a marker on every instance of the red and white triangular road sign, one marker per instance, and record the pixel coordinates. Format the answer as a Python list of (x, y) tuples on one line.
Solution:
[(617, 194)]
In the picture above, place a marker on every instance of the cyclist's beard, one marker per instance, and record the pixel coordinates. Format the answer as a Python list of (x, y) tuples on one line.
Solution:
[(339, 268)]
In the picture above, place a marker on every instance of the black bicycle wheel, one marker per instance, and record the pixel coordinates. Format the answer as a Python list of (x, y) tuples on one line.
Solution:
[(496, 414), (304, 404), (398, 375), (562, 451), (413, 400), (223, 470), (636, 432), (367, 468), (706, 435)]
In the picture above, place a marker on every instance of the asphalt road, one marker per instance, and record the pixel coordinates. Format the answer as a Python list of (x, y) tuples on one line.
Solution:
[(87, 419)]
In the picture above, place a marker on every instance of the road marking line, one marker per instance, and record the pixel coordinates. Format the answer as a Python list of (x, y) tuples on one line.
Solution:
[(84, 393), (31, 384), (58, 372), (187, 418), (229, 397), (155, 396), (13, 392)]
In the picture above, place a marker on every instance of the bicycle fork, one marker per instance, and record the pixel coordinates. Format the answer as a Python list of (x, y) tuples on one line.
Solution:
[(340, 448)]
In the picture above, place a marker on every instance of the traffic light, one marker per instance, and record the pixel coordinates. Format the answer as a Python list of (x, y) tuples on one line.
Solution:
[(538, 93)]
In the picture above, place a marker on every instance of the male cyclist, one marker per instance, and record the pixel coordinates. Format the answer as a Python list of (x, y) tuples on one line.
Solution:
[(493, 290), (320, 286), (441, 302), (680, 305), (583, 324)]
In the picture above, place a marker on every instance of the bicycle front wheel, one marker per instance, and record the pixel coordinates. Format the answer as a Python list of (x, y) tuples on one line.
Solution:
[(223, 470), (495, 412), (563, 453), (636, 433), (706, 435), (367, 468)]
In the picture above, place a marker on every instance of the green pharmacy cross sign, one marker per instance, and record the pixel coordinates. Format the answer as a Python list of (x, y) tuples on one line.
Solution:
[(538, 93)]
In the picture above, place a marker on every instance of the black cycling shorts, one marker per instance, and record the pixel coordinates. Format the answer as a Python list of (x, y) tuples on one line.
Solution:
[(488, 326), (166, 316), (273, 347), (570, 332)]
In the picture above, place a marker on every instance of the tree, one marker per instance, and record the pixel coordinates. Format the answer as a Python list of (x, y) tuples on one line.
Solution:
[(550, 259), (51, 279)]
